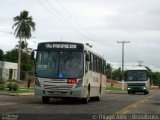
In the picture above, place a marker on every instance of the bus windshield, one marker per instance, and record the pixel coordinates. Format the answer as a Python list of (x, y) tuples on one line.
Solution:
[(134, 75), (59, 64)]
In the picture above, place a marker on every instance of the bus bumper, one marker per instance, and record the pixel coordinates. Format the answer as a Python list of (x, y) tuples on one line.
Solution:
[(137, 89), (76, 93)]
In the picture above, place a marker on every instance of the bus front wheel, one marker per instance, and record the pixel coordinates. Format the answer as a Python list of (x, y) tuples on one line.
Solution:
[(45, 99), (146, 92), (87, 99), (98, 98)]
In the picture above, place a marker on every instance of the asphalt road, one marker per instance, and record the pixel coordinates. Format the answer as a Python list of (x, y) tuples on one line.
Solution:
[(30, 107)]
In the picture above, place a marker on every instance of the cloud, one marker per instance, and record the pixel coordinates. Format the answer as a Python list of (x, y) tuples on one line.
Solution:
[(108, 21)]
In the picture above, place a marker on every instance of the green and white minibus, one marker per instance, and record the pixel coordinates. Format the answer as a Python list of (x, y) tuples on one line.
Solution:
[(137, 80)]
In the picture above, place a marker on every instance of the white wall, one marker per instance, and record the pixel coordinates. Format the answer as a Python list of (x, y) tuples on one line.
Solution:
[(5, 69), (8, 65)]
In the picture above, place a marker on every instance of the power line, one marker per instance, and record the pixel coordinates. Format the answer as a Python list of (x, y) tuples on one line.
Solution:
[(74, 19), (61, 18), (6, 32), (68, 20)]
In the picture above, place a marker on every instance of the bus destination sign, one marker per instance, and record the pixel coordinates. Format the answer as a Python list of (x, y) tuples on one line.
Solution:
[(69, 46)]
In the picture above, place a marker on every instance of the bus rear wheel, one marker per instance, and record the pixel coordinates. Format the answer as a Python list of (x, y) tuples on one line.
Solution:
[(45, 99), (98, 98)]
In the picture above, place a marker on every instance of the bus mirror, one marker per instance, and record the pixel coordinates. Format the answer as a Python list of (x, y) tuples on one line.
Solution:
[(33, 55), (87, 57)]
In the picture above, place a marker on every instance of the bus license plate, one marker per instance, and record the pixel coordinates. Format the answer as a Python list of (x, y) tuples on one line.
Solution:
[(57, 93)]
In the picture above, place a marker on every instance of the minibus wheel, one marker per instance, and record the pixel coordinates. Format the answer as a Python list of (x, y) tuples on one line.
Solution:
[(45, 99)]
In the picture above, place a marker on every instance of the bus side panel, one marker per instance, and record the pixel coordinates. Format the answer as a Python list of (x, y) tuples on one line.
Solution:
[(95, 80)]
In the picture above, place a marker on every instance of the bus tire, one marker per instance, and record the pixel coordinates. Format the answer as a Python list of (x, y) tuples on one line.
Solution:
[(87, 99), (45, 99), (129, 92), (146, 92), (133, 92), (98, 98)]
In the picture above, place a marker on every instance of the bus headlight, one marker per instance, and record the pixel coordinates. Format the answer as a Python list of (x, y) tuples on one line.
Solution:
[(128, 88), (37, 83), (79, 84), (144, 88)]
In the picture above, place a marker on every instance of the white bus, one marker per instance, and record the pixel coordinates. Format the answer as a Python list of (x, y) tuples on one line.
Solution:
[(69, 70), (137, 80)]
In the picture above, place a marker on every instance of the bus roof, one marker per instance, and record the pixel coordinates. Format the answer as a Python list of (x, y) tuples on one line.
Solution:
[(136, 68), (60, 42), (90, 49), (86, 47)]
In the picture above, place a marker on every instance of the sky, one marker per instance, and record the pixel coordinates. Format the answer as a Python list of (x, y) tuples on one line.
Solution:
[(100, 23)]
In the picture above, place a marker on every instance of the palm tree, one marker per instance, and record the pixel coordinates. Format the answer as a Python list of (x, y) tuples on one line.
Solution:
[(24, 26)]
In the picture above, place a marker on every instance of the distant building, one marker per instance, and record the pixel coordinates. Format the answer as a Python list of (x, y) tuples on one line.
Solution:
[(8, 70)]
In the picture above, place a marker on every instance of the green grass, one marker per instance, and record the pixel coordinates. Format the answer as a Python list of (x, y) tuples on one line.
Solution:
[(114, 88), (20, 90)]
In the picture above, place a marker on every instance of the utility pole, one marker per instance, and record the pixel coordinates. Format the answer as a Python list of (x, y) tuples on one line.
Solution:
[(123, 42), (140, 63)]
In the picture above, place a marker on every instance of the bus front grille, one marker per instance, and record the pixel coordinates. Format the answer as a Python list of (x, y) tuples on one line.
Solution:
[(58, 87), (136, 84)]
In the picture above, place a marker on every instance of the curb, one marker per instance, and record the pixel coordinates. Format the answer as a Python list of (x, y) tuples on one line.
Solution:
[(17, 94)]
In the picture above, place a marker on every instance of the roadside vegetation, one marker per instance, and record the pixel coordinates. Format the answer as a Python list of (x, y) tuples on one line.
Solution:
[(14, 86), (23, 27), (114, 88), (20, 90)]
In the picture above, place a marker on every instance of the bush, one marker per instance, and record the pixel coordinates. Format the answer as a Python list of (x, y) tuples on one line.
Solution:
[(12, 86), (2, 81), (12, 81), (9, 86), (2, 86), (15, 86)]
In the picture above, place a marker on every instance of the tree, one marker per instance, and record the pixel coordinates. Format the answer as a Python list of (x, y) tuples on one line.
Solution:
[(1, 55), (26, 63), (109, 71), (156, 78), (24, 26), (11, 56), (149, 72), (117, 74)]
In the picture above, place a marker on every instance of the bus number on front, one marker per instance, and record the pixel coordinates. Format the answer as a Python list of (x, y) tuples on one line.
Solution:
[(71, 46)]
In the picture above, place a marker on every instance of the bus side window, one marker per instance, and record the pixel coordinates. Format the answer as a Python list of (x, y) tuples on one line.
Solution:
[(104, 67), (91, 62), (98, 65), (86, 63), (95, 63)]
